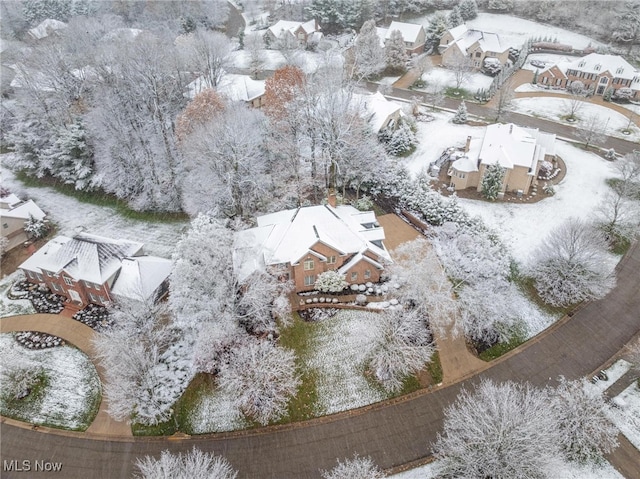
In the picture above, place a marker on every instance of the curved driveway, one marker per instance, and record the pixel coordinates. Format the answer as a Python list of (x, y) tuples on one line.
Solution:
[(392, 433)]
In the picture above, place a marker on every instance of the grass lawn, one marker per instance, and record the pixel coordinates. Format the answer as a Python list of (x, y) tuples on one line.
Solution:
[(66, 393)]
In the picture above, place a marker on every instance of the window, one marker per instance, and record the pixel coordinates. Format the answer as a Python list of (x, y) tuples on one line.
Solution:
[(56, 286), (619, 70), (93, 297), (597, 68), (367, 273), (68, 281), (308, 264), (49, 274), (310, 280), (331, 260), (354, 276), (5, 225), (102, 299), (30, 274), (40, 278), (604, 80)]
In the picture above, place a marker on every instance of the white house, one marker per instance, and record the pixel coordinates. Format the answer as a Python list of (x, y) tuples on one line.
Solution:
[(13, 214), (292, 32), (299, 244), (414, 35)]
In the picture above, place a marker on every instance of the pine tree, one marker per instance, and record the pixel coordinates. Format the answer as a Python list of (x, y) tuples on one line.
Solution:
[(437, 27), (395, 52), (36, 11), (468, 9), (369, 56), (492, 181), (461, 115), (70, 158), (628, 24), (455, 18)]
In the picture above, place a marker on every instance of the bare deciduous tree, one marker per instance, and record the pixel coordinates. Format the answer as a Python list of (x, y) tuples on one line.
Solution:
[(355, 468), (193, 464), (571, 265)]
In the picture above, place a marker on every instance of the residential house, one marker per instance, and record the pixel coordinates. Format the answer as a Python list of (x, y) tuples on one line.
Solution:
[(462, 42), (520, 151), (13, 214), (93, 269), (233, 87), (291, 32), (380, 112), (597, 72), (414, 36), (299, 244)]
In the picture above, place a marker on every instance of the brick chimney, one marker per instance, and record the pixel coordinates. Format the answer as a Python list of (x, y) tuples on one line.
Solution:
[(468, 145), (331, 198)]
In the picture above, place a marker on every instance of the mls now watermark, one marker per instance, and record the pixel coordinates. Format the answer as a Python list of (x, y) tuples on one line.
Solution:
[(27, 465)]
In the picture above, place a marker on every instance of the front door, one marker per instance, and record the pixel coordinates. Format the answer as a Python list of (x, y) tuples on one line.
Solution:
[(75, 297)]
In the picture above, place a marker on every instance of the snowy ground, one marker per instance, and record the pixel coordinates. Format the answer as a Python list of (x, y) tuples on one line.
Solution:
[(553, 108), (307, 61), (548, 58), (216, 413), (627, 416), (569, 471), (338, 352), (515, 31), (523, 226), (13, 307), (72, 217), (73, 389), (436, 136), (446, 78)]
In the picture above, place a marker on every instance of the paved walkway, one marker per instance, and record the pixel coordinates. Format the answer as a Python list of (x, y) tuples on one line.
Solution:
[(81, 336)]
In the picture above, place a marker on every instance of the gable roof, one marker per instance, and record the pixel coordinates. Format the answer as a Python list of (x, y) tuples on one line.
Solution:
[(409, 31), (465, 38), (287, 236), (511, 146), (378, 109), (598, 63), (22, 210), (141, 276), (84, 257), (291, 26)]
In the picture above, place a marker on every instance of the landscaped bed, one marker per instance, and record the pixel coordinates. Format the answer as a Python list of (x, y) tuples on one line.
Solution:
[(66, 390)]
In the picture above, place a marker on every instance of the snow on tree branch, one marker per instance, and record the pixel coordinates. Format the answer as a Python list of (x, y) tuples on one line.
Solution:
[(191, 465), (355, 468)]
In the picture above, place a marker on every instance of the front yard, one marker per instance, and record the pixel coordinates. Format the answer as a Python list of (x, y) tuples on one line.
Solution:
[(66, 393)]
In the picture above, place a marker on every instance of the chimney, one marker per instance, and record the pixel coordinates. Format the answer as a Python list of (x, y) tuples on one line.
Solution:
[(468, 145), (332, 198)]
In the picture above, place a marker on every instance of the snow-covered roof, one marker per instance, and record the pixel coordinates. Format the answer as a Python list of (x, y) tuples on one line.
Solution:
[(232, 86), (84, 257), (286, 236), (464, 38), (46, 28), (292, 26), (141, 276), (598, 63), (9, 201), (20, 211), (378, 109), (510, 146), (409, 31)]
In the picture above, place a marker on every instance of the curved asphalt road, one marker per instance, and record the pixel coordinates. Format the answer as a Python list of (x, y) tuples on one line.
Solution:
[(392, 434)]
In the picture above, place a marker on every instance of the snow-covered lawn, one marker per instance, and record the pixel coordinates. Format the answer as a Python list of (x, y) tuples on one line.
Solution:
[(338, 353), (446, 78), (216, 413), (436, 136), (614, 372), (523, 226), (515, 31), (626, 417), (13, 307), (72, 216), (72, 396), (568, 471), (554, 108)]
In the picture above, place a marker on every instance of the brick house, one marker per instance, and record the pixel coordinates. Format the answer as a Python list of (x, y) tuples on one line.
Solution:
[(520, 151), (94, 269), (13, 214), (299, 244), (597, 72), (291, 32), (461, 42)]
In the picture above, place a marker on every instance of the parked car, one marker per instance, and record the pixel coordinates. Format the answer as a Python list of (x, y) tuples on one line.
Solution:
[(538, 63)]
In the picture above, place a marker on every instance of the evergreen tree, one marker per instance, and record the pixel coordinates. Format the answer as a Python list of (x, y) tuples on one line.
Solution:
[(369, 56), (438, 25), (455, 18), (492, 181), (70, 159), (461, 115), (395, 52), (628, 24), (535, 77), (36, 228), (37, 10), (329, 13), (468, 9)]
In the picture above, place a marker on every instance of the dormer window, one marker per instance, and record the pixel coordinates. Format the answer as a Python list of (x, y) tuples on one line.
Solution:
[(597, 67), (581, 64), (619, 70)]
